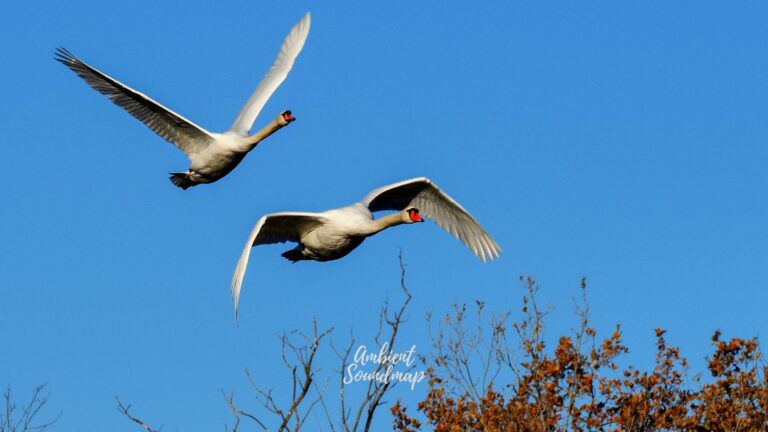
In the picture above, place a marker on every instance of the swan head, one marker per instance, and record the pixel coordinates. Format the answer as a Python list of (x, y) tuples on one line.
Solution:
[(411, 215), (285, 117)]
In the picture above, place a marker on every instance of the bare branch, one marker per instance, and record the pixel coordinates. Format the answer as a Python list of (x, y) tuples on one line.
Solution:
[(237, 412), (376, 389), (321, 398), (298, 357), (125, 410), (28, 414), (344, 357)]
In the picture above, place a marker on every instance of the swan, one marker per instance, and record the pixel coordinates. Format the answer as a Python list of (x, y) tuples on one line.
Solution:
[(333, 234), (212, 155)]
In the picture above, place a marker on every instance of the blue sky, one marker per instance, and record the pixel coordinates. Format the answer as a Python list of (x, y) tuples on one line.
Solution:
[(621, 142)]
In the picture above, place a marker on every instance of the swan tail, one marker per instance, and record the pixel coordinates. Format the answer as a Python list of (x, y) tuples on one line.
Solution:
[(293, 255), (182, 180)]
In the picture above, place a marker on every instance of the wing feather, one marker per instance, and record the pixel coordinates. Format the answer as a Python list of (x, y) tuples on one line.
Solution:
[(290, 49), (272, 228), (172, 127), (435, 204)]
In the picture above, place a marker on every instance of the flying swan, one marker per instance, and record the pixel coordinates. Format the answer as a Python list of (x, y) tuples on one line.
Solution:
[(212, 155), (333, 234)]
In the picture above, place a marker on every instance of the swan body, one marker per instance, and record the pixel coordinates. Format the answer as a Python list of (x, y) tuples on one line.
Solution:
[(333, 234), (212, 155), (342, 231)]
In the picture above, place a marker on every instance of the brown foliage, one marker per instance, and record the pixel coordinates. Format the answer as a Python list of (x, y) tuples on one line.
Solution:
[(579, 385)]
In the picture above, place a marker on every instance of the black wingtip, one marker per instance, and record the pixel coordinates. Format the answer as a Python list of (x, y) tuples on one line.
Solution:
[(64, 56)]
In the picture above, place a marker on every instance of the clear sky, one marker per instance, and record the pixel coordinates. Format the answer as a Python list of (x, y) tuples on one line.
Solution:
[(624, 142)]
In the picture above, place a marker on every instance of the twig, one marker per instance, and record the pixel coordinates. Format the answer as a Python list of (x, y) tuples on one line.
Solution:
[(125, 410)]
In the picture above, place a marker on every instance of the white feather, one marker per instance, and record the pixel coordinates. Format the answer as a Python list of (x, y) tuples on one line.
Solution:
[(290, 49)]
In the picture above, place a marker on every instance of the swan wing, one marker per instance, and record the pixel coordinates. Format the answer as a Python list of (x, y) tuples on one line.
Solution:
[(435, 204), (273, 228), (172, 127), (290, 49)]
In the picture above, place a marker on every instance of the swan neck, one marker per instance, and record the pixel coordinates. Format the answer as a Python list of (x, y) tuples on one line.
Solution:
[(378, 225), (268, 130)]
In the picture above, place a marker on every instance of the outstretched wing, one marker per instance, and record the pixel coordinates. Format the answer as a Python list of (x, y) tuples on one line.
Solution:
[(273, 228), (172, 127), (290, 49), (435, 204)]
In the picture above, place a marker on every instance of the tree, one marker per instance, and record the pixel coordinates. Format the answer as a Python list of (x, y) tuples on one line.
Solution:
[(25, 418), (299, 350), (579, 385), (499, 373)]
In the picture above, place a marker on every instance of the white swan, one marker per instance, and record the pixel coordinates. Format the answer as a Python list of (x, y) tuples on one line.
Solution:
[(332, 234), (212, 155)]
